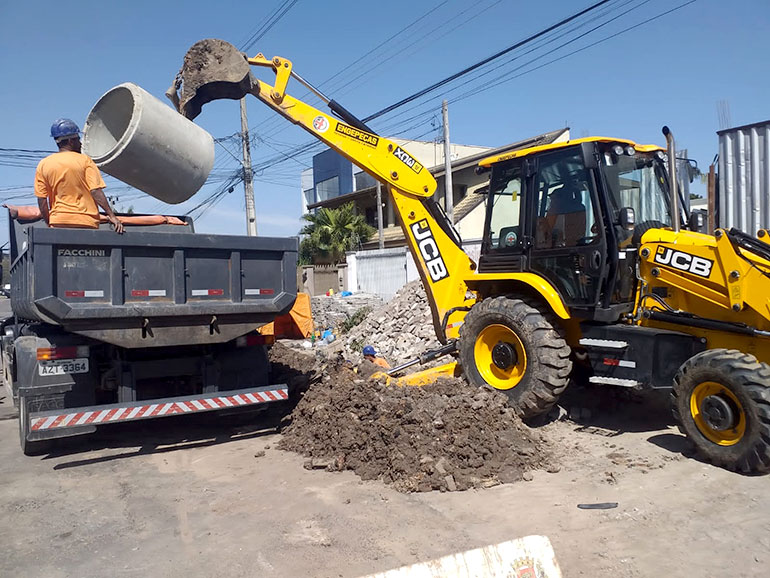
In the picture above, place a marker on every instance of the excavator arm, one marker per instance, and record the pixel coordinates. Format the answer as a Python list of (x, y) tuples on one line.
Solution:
[(214, 69)]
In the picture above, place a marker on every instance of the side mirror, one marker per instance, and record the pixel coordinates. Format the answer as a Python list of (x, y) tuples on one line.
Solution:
[(590, 158), (627, 218), (697, 221)]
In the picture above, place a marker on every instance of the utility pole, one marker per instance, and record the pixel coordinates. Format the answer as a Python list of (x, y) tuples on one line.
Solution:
[(248, 185), (449, 204), (379, 215)]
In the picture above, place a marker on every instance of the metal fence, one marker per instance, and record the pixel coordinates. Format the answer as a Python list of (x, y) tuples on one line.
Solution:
[(744, 177), (384, 271)]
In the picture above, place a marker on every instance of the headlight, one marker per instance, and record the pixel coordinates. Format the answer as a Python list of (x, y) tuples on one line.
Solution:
[(617, 150), (630, 151)]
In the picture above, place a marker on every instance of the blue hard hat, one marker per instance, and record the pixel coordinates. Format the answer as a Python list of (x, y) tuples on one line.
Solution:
[(64, 128), (369, 350)]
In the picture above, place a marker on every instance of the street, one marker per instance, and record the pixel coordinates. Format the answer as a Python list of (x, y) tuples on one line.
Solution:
[(188, 496)]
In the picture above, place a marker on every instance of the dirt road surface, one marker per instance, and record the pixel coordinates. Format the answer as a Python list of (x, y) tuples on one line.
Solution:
[(154, 499)]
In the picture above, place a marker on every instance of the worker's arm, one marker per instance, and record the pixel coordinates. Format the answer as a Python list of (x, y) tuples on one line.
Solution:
[(42, 192), (104, 204), (42, 203)]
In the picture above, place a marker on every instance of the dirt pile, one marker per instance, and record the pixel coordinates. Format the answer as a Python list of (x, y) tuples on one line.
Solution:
[(447, 436), (400, 330)]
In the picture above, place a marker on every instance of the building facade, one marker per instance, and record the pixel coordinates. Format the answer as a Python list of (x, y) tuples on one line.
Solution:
[(334, 181)]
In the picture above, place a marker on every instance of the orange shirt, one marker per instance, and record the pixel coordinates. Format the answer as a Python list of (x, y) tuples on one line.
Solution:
[(381, 362), (67, 178)]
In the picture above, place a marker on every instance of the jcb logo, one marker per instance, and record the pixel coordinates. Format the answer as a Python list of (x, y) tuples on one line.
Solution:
[(684, 261), (429, 250)]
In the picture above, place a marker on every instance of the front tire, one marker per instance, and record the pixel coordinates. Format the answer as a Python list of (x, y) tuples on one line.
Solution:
[(511, 346), (721, 401)]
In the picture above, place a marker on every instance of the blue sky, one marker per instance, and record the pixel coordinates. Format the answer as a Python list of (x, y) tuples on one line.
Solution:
[(58, 58)]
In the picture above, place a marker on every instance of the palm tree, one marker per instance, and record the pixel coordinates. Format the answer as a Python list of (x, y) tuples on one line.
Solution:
[(329, 233)]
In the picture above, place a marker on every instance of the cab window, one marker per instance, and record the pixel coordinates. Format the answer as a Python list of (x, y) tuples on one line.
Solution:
[(565, 209), (506, 198)]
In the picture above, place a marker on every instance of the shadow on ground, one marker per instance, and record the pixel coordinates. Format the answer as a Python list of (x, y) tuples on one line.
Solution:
[(613, 409), (165, 435), (181, 432)]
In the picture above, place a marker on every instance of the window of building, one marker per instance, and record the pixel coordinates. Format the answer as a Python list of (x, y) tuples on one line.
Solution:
[(364, 181), (327, 189)]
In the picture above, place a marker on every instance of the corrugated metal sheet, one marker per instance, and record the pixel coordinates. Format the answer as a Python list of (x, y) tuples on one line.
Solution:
[(744, 177), (382, 272)]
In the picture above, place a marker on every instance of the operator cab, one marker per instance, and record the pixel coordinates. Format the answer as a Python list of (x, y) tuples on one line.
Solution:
[(574, 214)]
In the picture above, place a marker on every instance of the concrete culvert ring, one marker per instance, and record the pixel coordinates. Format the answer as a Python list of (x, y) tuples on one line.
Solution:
[(109, 125), (138, 139)]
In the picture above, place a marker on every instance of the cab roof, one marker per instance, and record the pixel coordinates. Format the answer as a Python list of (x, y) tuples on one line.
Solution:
[(559, 145)]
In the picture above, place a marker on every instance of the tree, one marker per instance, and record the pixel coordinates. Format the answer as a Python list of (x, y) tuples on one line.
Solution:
[(329, 233)]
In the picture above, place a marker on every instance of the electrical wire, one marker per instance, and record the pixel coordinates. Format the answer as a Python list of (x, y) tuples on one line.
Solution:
[(491, 58), (301, 149), (272, 20)]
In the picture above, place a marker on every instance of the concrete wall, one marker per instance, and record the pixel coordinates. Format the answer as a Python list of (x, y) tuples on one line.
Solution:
[(318, 279)]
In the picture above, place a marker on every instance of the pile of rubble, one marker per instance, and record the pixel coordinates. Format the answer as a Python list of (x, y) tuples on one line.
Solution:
[(446, 436), (329, 312), (399, 330)]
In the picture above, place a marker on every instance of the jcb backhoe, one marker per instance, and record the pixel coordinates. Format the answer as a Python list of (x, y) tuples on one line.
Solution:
[(584, 270)]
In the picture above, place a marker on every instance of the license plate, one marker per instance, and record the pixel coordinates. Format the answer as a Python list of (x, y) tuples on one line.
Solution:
[(61, 366)]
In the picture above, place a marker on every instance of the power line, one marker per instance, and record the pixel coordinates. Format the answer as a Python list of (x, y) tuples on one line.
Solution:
[(303, 149), (306, 147), (495, 56), (581, 49), (272, 20)]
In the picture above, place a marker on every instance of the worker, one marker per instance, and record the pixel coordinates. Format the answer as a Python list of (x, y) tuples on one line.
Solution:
[(68, 186), (565, 220), (371, 355)]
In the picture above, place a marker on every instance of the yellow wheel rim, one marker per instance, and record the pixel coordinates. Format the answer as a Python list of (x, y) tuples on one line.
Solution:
[(723, 437), (510, 374)]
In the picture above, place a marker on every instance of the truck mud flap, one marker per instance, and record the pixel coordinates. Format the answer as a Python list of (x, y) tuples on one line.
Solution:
[(74, 419)]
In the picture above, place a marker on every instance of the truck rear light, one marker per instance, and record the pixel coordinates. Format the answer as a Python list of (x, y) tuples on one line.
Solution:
[(72, 352), (254, 339)]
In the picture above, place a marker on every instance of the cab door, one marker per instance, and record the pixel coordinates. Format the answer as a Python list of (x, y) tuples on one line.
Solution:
[(568, 244)]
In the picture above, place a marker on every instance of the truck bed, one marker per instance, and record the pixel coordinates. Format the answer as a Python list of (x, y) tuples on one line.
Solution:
[(150, 287)]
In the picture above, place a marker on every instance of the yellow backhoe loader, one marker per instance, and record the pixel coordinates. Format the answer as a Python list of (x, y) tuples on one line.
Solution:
[(585, 268)]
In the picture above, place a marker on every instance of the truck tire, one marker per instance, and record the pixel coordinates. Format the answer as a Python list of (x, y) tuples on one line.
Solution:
[(721, 401), (510, 346)]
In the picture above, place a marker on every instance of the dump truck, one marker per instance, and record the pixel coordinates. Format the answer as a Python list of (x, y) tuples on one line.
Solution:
[(590, 268), (159, 321)]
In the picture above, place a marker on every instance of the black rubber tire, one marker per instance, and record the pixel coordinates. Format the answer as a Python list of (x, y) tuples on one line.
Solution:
[(641, 228), (749, 382), (548, 355)]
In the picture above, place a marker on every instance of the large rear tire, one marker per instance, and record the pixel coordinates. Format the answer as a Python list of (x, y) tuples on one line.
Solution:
[(721, 400), (511, 346)]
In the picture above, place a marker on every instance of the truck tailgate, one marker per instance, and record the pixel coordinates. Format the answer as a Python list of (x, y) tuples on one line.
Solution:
[(145, 289)]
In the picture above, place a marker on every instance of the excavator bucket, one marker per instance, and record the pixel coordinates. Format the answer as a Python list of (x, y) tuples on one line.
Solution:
[(212, 69)]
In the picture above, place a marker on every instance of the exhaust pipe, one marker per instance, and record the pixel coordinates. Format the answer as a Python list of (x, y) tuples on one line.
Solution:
[(672, 178)]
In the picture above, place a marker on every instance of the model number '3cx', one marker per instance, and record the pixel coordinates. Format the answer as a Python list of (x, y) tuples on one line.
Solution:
[(429, 250), (684, 261)]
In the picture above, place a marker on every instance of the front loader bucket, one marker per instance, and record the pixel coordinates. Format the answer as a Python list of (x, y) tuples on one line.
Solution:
[(212, 69)]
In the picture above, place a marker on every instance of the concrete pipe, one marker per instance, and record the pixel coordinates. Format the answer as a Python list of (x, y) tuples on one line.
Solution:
[(136, 138)]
